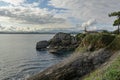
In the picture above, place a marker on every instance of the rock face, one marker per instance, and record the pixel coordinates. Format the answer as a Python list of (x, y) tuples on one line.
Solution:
[(99, 48), (75, 67), (42, 45), (62, 42)]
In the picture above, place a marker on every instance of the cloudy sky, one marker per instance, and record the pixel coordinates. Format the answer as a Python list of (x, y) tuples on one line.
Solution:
[(56, 15)]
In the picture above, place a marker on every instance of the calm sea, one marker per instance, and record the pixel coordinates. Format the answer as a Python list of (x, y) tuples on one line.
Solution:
[(19, 58)]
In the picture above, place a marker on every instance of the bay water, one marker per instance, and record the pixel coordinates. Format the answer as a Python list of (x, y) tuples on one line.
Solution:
[(19, 58)]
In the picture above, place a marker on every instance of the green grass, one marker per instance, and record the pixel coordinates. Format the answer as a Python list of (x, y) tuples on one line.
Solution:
[(115, 45), (80, 36), (96, 41), (111, 42), (111, 72)]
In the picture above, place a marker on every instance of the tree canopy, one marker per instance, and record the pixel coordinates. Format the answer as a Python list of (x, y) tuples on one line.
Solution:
[(117, 21), (115, 14)]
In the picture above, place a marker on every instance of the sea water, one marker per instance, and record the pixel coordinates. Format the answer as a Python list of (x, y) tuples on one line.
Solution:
[(19, 58)]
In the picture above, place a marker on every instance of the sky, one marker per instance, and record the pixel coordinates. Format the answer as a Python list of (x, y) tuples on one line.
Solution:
[(56, 15)]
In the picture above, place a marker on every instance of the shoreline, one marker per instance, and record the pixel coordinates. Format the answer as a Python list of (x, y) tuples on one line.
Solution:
[(87, 57)]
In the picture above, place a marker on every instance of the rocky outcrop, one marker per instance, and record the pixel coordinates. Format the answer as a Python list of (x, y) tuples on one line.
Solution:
[(61, 42), (75, 67), (98, 49), (42, 45)]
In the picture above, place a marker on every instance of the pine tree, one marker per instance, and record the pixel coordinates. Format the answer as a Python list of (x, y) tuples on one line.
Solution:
[(117, 21)]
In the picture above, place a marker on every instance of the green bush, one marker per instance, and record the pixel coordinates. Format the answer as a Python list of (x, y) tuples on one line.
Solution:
[(80, 36), (97, 41), (115, 45)]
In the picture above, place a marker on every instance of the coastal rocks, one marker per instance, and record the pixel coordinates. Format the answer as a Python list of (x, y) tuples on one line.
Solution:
[(61, 42), (61, 39), (42, 45), (74, 67), (100, 47)]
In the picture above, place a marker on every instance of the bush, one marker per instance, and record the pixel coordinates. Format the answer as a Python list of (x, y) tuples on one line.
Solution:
[(115, 45), (80, 36), (97, 41)]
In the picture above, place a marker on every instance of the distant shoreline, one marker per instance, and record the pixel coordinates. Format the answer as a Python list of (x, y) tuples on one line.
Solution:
[(26, 33), (34, 33)]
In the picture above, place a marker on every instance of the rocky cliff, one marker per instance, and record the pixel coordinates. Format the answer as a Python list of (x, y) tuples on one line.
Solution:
[(93, 51), (61, 42)]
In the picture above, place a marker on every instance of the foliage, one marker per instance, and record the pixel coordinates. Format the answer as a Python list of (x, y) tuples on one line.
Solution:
[(117, 21), (80, 36), (114, 14), (115, 32), (108, 72), (95, 41), (115, 44), (105, 32)]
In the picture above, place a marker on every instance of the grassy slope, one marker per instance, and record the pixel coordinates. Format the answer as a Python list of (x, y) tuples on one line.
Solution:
[(95, 41), (110, 71)]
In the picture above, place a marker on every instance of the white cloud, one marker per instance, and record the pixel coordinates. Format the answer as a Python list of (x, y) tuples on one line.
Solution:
[(34, 28), (31, 15), (14, 2), (89, 23), (25, 14), (88, 9)]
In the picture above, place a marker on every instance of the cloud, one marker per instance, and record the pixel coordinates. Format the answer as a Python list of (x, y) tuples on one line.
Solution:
[(30, 15), (57, 14), (14, 2), (37, 28), (89, 23), (87, 9)]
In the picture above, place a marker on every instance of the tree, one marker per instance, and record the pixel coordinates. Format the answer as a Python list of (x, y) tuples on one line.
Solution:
[(117, 21)]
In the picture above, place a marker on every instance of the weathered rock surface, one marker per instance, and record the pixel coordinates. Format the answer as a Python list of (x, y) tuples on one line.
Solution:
[(99, 49), (74, 67), (42, 45), (62, 42)]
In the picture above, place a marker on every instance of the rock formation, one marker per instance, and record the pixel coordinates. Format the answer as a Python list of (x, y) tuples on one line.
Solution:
[(61, 42), (42, 45), (98, 48)]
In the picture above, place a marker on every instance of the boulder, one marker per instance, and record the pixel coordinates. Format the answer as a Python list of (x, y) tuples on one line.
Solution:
[(42, 45), (62, 42), (60, 39)]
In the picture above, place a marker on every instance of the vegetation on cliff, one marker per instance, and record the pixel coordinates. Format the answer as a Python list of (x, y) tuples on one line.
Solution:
[(97, 57), (109, 71), (115, 44), (92, 42), (93, 51)]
